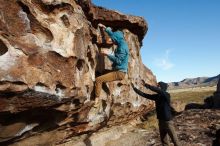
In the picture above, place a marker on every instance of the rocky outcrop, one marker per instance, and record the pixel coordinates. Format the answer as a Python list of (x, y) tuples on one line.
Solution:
[(218, 85), (214, 100), (195, 127), (216, 96), (49, 59)]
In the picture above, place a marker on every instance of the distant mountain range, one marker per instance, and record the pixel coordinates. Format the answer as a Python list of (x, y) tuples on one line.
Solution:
[(195, 82)]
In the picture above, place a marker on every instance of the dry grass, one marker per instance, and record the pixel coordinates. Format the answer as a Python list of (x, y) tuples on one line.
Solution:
[(191, 97), (150, 122)]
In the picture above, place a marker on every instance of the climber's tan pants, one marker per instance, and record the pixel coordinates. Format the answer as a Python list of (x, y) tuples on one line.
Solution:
[(112, 76)]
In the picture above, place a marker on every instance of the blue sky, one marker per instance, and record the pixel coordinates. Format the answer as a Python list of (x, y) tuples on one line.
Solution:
[(183, 39)]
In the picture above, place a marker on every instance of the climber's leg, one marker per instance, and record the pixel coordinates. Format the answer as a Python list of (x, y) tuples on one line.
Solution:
[(112, 76)]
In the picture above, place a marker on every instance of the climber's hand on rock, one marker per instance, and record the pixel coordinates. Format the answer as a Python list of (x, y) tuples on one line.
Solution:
[(101, 25), (142, 82), (132, 85), (145, 84), (105, 52)]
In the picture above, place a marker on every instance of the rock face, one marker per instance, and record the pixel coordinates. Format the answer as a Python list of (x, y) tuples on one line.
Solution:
[(49, 59)]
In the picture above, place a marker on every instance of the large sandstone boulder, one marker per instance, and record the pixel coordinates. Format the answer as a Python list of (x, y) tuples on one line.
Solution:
[(49, 59)]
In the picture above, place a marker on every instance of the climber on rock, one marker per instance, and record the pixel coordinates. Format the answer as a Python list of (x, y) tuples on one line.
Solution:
[(119, 60), (163, 109)]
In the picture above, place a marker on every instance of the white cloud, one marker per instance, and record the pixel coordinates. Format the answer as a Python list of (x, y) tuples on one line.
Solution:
[(164, 62)]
